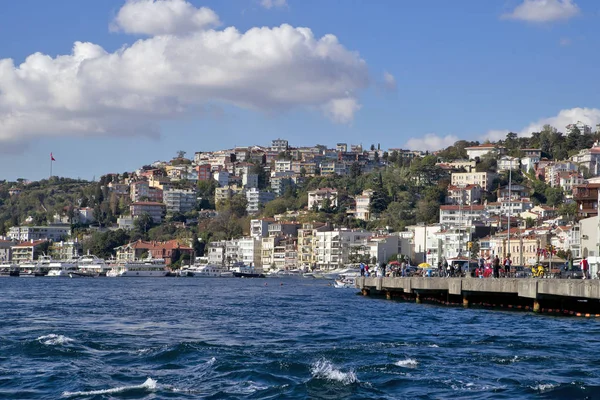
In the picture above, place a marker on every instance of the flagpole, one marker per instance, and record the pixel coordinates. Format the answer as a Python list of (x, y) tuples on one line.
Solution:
[(50, 166)]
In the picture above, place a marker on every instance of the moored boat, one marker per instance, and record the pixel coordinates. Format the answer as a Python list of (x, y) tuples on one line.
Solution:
[(155, 267), (247, 271), (9, 270)]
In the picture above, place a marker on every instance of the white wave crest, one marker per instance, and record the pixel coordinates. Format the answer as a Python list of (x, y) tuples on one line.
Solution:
[(324, 369), (408, 363), (53, 339), (543, 387), (149, 384), (433, 345), (211, 361)]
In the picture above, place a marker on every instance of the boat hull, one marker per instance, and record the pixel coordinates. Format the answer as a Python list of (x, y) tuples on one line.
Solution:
[(247, 275)]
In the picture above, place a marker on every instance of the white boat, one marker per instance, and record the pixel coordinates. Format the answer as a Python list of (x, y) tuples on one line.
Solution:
[(91, 265), (341, 283), (346, 272), (211, 271), (155, 267), (285, 273), (61, 268)]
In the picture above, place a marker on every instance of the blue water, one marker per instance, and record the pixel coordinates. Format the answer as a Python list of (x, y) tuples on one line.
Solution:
[(191, 338)]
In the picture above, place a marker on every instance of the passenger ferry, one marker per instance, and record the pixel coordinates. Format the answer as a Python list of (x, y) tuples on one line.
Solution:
[(211, 271), (61, 268), (90, 266), (154, 267)]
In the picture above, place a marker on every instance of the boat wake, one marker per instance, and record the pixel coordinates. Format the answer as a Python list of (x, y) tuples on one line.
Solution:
[(53, 339), (408, 363), (324, 369), (150, 385)]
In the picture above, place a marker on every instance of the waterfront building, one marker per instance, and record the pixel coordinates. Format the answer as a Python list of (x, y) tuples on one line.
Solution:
[(27, 251), (171, 251), (216, 252)]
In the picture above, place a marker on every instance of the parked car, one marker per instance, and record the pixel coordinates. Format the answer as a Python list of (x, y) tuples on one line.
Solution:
[(574, 273)]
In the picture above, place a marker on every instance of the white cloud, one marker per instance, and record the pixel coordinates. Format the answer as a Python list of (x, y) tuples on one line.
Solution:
[(589, 116), (389, 81), (342, 110), (543, 11), (431, 142), (158, 17), (128, 92), (268, 4)]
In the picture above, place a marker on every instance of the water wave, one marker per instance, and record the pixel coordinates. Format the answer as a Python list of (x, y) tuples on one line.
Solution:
[(54, 339), (150, 385), (407, 363), (543, 387), (324, 369)]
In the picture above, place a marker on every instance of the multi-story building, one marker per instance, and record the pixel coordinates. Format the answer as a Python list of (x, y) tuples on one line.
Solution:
[(141, 190), (481, 150), (458, 215), (464, 194), (35, 233), (333, 248), (216, 252), (506, 163), (268, 245), (567, 180), (307, 242), (68, 250), (280, 181), (341, 147), (283, 228), (204, 172), (180, 200), (119, 188), (250, 180), (170, 251), (279, 145), (259, 228), (316, 198), (330, 167), (552, 171), (579, 126), (249, 251), (5, 250), (363, 203), (256, 198), (155, 210), (483, 179), (27, 251), (225, 193), (222, 177), (283, 165), (586, 197), (589, 159)]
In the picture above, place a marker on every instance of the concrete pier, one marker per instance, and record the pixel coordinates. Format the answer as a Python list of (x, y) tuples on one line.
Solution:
[(540, 295)]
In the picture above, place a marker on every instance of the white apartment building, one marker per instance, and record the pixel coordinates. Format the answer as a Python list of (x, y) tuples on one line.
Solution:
[(506, 163), (153, 209), (250, 180), (425, 246), (457, 215), (222, 177), (259, 228), (216, 253), (179, 200), (464, 194), (553, 170), (333, 248), (481, 150), (249, 251), (279, 145), (316, 198), (529, 163), (583, 128), (283, 165), (383, 247), (483, 179), (256, 198), (590, 159), (363, 203), (34, 233)]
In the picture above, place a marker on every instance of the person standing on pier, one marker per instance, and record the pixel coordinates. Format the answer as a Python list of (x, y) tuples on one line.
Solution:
[(496, 265), (362, 269), (507, 264), (585, 267)]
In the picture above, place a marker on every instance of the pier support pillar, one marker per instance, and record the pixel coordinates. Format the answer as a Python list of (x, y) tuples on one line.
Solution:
[(465, 301), (536, 306), (418, 298), (388, 295), (365, 292)]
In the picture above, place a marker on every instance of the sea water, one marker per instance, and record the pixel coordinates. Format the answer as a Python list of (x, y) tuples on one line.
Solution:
[(193, 338)]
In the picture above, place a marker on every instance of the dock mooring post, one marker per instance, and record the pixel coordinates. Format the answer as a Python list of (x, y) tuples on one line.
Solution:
[(418, 298), (536, 306), (364, 292), (388, 295), (465, 301)]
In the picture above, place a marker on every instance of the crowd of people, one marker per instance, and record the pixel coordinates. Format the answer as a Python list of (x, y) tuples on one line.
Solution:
[(493, 267)]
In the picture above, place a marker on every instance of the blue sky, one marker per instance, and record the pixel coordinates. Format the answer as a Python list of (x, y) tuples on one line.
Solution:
[(466, 69)]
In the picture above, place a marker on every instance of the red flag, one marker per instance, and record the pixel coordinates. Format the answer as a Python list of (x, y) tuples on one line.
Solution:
[(52, 157)]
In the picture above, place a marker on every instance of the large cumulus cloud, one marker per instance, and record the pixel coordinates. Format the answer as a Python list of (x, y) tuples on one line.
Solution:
[(176, 71)]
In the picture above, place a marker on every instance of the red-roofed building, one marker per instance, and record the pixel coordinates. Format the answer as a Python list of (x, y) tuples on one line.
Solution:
[(170, 251)]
